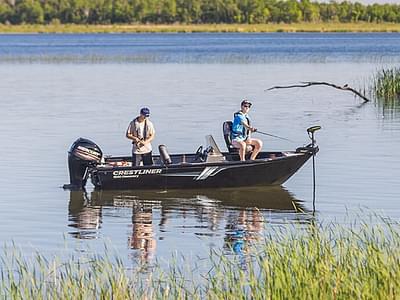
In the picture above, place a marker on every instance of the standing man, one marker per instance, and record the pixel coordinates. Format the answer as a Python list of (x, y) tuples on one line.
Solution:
[(241, 132), (141, 132)]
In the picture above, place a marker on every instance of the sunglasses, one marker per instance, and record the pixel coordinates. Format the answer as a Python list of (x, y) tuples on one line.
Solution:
[(247, 106)]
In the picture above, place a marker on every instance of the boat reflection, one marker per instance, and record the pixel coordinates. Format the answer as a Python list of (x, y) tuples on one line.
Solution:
[(239, 215)]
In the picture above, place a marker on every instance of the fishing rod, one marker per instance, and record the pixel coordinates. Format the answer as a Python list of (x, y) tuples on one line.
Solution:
[(275, 136)]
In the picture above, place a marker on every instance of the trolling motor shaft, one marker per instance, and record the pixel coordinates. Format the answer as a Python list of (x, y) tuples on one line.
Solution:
[(311, 131)]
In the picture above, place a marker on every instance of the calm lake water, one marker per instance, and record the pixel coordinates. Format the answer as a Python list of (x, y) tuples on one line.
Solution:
[(56, 88)]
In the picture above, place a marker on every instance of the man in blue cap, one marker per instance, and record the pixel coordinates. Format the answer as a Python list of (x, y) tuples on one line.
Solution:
[(141, 132)]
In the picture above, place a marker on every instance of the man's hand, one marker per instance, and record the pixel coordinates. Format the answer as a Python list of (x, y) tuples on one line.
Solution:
[(139, 143), (252, 129)]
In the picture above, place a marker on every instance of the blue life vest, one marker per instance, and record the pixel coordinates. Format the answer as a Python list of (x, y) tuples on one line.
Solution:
[(238, 129)]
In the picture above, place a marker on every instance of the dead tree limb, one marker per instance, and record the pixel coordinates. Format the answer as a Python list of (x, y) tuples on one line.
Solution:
[(344, 87)]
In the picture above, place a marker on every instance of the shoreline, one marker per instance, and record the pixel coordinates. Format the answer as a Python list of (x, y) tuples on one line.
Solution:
[(202, 28)]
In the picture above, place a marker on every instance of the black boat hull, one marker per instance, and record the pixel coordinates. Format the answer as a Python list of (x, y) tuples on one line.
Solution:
[(261, 172)]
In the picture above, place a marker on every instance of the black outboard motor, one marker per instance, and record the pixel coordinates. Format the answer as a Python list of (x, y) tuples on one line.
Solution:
[(82, 154)]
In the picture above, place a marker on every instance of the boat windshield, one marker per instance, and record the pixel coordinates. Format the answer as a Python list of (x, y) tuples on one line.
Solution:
[(211, 144)]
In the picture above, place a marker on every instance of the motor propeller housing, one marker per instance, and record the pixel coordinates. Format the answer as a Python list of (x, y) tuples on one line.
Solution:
[(82, 154)]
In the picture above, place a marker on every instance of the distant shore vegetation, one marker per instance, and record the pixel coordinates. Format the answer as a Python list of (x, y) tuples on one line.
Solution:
[(274, 13), (189, 28)]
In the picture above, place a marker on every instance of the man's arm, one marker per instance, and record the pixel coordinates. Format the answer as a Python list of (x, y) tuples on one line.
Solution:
[(245, 124), (130, 135), (151, 136)]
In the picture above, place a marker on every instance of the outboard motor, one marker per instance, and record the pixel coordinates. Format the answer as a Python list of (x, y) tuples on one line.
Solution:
[(82, 154)]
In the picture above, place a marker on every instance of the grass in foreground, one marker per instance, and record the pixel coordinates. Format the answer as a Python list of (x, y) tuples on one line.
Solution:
[(174, 28), (325, 262)]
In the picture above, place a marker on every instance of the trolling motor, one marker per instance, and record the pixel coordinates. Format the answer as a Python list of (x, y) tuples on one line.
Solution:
[(311, 132), (312, 147), (83, 154)]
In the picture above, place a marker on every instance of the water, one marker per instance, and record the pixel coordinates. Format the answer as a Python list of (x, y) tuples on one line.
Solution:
[(201, 48), (56, 88)]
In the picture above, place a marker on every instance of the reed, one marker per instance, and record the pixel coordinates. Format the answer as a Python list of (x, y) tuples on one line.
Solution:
[(323, 262), (386, 86)]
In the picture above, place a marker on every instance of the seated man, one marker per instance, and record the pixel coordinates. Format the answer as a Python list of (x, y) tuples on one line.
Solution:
[(241, 132)]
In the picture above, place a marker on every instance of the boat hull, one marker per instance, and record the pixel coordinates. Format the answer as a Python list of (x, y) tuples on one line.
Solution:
[(261, 172)]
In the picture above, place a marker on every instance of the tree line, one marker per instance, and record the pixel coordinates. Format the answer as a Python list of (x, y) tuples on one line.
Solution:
[(191, 11)]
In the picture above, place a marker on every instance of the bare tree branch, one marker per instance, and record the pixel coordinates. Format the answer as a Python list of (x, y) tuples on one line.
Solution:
[(345, 87)]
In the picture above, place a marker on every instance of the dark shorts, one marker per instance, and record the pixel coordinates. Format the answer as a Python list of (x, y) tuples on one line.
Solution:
[(147, 159)]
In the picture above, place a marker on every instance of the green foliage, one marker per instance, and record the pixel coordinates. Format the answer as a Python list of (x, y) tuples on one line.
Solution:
[(28, 11), (318, 262), (386, 86), (193, 11)]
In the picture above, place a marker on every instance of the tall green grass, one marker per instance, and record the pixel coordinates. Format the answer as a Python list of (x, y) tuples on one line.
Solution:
[(322, 262), (386, 87)]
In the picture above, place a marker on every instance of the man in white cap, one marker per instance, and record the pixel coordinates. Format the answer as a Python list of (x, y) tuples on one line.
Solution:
[(241, 130), (141, 132)]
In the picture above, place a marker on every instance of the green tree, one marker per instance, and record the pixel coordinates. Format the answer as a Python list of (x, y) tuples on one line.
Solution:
[(376, 13), (122, 12), (5, 12), (358, 12), (328, 11), (310, 11), (188, 11), (253, 11), (51, 10), (212, 11), (28, 11), (344, 11), (100, 12), (289, 11)]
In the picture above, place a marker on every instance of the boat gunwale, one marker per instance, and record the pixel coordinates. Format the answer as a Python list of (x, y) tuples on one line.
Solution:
[(205, 163)]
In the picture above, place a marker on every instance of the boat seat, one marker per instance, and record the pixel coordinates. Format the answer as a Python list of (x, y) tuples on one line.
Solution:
[(227, 129), (164, 155)]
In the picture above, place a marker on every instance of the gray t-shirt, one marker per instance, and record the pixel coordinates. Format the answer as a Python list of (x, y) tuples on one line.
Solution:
[(138, 130)]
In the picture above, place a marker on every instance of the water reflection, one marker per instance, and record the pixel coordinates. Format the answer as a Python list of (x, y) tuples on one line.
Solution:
[(143, 236), (84, 216), (388, 108), (239, 216)]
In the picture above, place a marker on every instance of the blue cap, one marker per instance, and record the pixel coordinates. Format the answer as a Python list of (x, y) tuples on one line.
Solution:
[(145, 112)]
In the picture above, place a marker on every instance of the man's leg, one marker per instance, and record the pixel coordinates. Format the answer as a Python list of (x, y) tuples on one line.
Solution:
[(242, 148), (257, 147), (136, 159), (147, 159)]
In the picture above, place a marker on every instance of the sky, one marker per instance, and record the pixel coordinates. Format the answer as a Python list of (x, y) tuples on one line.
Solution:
[(378, 1), (369, 1)]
